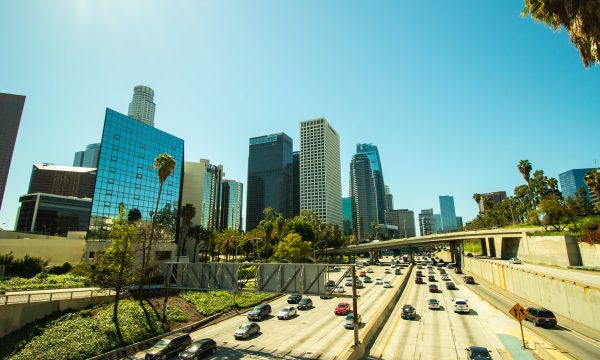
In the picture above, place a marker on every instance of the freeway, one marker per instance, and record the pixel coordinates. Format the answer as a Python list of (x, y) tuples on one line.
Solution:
[(314, 333), (443, 334)]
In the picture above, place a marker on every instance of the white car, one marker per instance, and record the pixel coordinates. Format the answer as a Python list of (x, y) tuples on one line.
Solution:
[(387, 271), (514, 261), (287, 312), (433, 304), (370, 271), (348, 282), (339, 289), (378, 281), (445, 277), (386, 284), (460, 305)]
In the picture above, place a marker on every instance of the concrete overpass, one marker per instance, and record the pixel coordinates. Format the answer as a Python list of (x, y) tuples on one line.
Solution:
[(500, 243)]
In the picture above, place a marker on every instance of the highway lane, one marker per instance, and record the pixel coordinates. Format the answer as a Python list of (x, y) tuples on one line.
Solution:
[(576, 345), (314, 333)]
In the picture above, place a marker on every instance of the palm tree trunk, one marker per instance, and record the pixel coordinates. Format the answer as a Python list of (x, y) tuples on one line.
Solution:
[(145, 266), (531, 194)]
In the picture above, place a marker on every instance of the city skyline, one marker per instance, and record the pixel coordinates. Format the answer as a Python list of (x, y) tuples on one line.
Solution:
[(455, 108)]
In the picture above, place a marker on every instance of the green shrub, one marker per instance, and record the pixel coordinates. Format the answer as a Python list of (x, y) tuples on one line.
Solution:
[(174, 313), (43, 281), (24, 267), (214, 302), (62, 269)]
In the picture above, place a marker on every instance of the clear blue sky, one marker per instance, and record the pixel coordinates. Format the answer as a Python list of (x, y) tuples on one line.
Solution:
[(454, 94)]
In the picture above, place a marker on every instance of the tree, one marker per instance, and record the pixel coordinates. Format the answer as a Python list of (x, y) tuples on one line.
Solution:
[(188, 212), (293, 249), (267, 226), (477, 197), (134, 215), (555, 214), (165, 165), (303, 227), (115, 267), (525, 170), (581, 19), (584, 206), (592, 180), (227, 239), (376, 230), (280, 223)]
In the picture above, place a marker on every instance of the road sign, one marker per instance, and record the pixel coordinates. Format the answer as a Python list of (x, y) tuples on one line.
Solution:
[(518, 312)]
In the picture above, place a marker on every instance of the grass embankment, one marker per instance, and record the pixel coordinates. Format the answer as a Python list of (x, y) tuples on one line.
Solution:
[(86, 333), (43, 281)]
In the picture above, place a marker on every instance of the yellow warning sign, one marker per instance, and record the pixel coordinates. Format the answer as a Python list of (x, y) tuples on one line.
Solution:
[(518, 312)]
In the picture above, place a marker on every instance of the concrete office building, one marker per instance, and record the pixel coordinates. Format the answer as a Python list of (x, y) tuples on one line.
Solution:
[(232, 204), (296, 183), (70, 181), (202, 187), (347, 215), (11, 109), (89, 157), (373, 154), (363, 197), (320, 172), (53, 214), (571, 180), (270, 177), (448, 213), (404, 220), (142, 105), (426, 222)]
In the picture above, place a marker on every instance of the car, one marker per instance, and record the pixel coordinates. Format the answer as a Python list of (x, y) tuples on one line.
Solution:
[(259, 312), (433, 288), (469, 254), (387, 284), (378, 281), (287, 312), (460, 306), (348, 282), (168, 346), (349, 323), (451, 266), (339, 289), (541, 317), (443, 272), (329, 284), (336, 269), (348, 275), (392, 264), (359, 284), (246, 330), (445, 277), (419, 273), (342, 308), (397, 272), (199, 348), (433, 304), (408, 312), (370, 271), (431, 278), (362, 273), (419, 280), (478, 353), (419, 266), (305, 304), (387, 271), (514, 261), (367, 280), (294, 298), (469, 279), (450, 285), (458, 270)]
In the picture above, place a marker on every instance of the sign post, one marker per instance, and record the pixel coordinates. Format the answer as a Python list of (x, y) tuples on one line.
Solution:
[(519, 313)]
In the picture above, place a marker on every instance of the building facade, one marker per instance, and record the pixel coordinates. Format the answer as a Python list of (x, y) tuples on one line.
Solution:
[(62, 180), (270, 177), (363, 197), (89, 157), (11, 109), (459, 222), (347, 215), (320, 171), (448, 213), (404, 219), (233, 195), (496, 197), (142, 105), (438, 225), (212, 197), (296, 181), (53, 214), (571, 180), (389, 199), (373, 154), (126, 176), (426, 222)]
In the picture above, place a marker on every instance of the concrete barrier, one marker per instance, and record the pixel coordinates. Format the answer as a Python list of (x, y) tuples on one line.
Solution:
[(372, 328), (590, 254), (576, 301)]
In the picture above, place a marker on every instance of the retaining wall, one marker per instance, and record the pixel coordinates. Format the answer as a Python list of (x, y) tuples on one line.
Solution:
[(571, 299), (590, 254)]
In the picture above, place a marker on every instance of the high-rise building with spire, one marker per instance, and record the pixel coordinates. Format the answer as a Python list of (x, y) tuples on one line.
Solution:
[(142, 105)]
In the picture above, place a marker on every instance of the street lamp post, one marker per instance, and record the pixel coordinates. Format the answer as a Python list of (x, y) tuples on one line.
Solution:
[(315, 250)]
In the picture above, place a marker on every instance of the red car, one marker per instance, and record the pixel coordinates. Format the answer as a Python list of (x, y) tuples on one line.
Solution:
[(342, 309), (362, 274)]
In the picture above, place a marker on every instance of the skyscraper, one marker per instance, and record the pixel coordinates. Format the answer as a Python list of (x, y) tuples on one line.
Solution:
[(296, 181), (231, 213), (362, 194), (572, 180), (389, 199), (496, 197), (437, 222), (320, 173), (270, 177), (426, 222), (448, 213), (62, 180), (11, 109), (126, 176), (211, 197), (88, 158), (373, 154), (142, 105), (404, 219), (347, 215)]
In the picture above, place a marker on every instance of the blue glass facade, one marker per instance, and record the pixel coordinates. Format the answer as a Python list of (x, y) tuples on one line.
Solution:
[(125, 175), (347, 215), (572, 180), (448, 213), (233, 195), (373, 154)]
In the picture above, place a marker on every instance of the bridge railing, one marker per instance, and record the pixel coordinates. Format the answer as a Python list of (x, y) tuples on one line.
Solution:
[(7, 299)]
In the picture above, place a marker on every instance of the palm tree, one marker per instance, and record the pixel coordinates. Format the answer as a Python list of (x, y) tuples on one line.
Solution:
[(376, 229), (227, 239), (188, 211), (525, 170), (280, 222), (592, 180), (477, 197), (267, 226)]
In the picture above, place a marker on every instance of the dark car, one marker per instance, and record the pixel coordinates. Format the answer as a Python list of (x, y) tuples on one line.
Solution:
[(305, 304), (469, 280), (419, 273), (450, 285), (397, 272), (541, 317), (294, 298), (259, 312), (433, 288), (199, 348), (458, 270), (478, 353), (367, 280), (168, 346), (419, 280), (408, 312), (431, 278), (246, 330)]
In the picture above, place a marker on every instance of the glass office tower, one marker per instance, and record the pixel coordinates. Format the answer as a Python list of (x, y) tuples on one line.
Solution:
[(572, 180), (373, 154), (362, 194), (448, 213), (347, 215), (11, 108), (125, 175), (233, 195)]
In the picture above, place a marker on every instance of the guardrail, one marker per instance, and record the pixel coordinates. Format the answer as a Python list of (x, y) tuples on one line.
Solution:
[(7, 299)]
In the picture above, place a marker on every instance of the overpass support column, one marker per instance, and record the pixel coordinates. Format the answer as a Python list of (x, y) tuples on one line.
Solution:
[(452, 251), (459, 247), (484, 250)]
